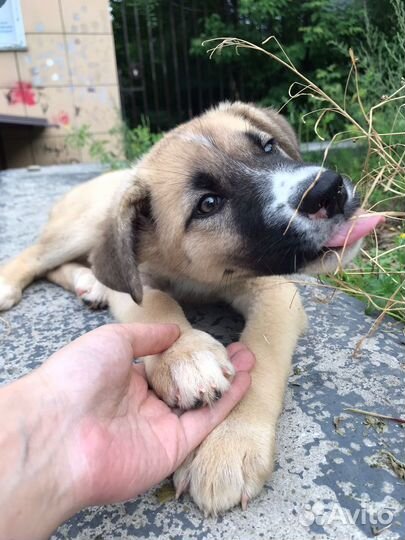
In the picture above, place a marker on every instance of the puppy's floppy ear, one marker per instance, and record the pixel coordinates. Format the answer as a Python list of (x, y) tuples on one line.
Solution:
[(114, 258)]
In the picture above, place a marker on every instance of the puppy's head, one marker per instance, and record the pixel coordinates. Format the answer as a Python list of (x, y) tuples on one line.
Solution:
[(224, 195)]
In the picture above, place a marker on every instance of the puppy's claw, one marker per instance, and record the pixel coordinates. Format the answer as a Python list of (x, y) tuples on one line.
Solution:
[(217, 395), (244, 502), (197, 404), (181, 488)]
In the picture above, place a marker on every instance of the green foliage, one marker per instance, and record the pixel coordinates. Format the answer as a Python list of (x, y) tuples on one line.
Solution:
[(308, 31), (383, 54), (132, 144), (382, 286), (316, 35), (139, 140), (380, 58), (261, 10)]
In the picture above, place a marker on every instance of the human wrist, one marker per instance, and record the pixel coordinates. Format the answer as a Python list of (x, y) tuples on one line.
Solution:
[(37, 491)]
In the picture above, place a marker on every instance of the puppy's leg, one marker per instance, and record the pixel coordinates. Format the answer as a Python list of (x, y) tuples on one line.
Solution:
[(70, 234), (16, 275), (82, 281), (195, 370), (55, 247), (235, 460)]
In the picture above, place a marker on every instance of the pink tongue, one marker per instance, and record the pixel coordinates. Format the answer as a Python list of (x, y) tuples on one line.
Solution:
[(359, 226)]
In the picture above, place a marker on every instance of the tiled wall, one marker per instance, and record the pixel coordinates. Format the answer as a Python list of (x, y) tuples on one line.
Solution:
[(67, 75)]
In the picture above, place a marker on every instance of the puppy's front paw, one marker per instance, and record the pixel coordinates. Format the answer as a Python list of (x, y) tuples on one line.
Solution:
[(229, 468), (193, 372), (90, 291), (9, 295)]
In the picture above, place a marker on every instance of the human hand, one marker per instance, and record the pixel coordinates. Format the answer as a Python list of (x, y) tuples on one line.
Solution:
[(102, 435)]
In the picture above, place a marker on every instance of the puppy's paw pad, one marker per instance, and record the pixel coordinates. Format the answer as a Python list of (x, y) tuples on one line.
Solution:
[(193, 372), (90, 291), (9, 295)]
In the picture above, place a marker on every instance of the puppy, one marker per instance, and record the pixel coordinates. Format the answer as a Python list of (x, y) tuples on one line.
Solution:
[(220, 208)]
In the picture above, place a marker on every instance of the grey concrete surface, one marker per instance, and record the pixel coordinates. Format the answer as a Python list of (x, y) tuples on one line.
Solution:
[(332, 479)]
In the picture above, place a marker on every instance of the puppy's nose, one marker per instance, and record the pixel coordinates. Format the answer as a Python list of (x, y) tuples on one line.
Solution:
[(326, 197)]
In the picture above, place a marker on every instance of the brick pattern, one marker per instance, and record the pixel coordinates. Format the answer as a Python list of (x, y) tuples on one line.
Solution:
[(67, 75)]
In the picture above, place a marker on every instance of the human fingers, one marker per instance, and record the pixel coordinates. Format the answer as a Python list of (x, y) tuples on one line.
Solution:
[(139, 368), (241, 357), (146, 339), (234, 347), (197, 424)]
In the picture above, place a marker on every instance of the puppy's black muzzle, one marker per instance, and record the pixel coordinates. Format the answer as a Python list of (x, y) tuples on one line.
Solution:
[(326, 192)]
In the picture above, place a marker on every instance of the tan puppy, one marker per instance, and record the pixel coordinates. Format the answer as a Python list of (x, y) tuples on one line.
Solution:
[(219, 208)]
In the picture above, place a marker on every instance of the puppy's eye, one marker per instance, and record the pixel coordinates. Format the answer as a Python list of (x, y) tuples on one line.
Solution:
[(269, 145), (209, 204)]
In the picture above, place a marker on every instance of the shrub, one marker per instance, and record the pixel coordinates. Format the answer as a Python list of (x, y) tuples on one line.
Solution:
[(131, 144)]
